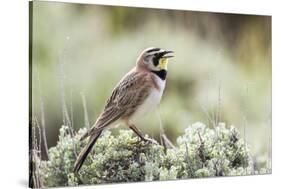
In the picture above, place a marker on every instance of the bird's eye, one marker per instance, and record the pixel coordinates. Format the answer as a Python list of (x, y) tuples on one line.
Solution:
[(155, 61)]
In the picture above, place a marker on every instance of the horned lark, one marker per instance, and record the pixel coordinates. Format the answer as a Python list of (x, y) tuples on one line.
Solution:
[(137, 93)]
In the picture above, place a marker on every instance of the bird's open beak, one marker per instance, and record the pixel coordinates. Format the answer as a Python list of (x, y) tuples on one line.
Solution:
[(167, 54), (163, 62)]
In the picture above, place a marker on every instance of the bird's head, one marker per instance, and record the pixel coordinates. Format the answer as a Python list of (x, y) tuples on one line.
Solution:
[(154, 59)]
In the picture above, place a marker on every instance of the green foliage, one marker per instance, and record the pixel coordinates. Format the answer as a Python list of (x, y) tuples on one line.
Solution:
[(201, 152)]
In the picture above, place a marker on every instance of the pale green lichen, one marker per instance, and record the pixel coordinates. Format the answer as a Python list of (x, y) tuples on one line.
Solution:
[(200, 152)]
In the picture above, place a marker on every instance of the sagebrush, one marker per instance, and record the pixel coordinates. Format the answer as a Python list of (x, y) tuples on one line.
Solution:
[(200, 152)]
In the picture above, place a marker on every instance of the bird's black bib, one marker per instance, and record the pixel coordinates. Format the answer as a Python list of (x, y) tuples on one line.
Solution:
[(161, 73)]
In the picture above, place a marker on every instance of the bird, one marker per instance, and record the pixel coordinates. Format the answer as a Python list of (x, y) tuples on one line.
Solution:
[(136, 94)]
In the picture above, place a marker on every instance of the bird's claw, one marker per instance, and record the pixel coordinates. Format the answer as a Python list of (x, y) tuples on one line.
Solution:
[(146, 140), (150, 141)]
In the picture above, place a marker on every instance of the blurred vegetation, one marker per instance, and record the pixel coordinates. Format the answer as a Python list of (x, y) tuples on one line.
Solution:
[(200, 152), (221, 72)]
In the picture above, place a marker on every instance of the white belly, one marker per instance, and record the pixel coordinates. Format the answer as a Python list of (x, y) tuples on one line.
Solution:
[(150, 102)]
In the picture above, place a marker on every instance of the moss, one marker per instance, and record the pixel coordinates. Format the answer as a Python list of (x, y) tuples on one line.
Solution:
[(200, 152)]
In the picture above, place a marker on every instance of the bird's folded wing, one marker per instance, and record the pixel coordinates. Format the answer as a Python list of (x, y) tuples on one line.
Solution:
[(131, 91)]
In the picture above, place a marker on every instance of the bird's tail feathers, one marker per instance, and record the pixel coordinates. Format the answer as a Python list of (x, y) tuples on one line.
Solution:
[(86, 150)]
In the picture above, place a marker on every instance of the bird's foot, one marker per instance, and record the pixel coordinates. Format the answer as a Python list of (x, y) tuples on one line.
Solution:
[(146, 140), (150, 141)]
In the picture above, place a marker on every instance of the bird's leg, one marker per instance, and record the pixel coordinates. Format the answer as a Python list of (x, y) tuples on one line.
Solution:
[(137, 131), (140, 134)]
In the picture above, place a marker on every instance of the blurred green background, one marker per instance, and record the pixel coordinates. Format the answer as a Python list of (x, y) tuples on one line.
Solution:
[(221, 71)]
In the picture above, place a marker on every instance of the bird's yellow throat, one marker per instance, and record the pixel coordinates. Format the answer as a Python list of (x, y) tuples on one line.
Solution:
[(163, 63)]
